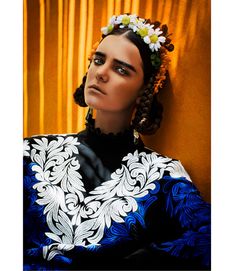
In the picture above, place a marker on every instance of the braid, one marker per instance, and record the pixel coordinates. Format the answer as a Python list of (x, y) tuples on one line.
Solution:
[(148, 115), (79, 93)]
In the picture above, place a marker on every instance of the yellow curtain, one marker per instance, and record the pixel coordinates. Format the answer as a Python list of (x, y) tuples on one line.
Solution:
[(58, 36)]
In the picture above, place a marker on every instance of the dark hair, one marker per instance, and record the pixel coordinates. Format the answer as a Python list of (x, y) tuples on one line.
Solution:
[(149, 111)]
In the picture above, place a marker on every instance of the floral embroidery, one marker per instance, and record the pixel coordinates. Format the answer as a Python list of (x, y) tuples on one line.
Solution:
[(75, 220), (26, 148), (177, 170)]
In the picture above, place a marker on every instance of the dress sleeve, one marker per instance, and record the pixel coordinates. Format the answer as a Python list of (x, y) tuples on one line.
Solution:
[(183, 204)]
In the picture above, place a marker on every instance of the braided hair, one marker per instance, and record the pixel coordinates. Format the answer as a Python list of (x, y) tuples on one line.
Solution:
[(149, 111)]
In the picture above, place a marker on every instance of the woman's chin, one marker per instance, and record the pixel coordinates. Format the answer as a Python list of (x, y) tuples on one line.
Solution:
[(93, 103)]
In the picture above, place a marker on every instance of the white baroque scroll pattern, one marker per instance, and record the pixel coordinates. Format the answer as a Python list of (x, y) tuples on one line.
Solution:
[(60, 187), (177, 170), (114, 199), (26, 148), (49, 252), (73, 219), (133, 180), (112, 209)]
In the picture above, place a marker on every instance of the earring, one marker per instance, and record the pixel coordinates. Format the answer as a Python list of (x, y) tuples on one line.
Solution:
[(142, 121), (136, 136), (89, 115)]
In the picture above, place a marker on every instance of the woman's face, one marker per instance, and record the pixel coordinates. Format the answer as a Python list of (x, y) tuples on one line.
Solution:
[(115, 76)]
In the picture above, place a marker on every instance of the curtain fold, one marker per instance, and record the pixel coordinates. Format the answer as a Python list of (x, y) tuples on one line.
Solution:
[(58, 37)]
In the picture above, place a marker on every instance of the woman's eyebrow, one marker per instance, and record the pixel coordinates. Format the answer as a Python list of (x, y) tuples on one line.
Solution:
[(117, 61), (99, 54), (125, 64)]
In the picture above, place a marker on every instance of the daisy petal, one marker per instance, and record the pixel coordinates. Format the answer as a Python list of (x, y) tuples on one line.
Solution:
[(151, 32), (147, 39), (151, 46), (104, 30), (158, 31), (157, 46), (161, 39)]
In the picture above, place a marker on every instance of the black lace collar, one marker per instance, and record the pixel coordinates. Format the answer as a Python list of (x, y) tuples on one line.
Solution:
[(122, 140), (90, 125)]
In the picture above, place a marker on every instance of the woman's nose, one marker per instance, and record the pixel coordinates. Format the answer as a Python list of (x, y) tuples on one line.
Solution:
[(102, 74)]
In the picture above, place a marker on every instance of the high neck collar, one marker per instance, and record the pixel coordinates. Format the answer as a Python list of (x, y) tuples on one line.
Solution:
[(124, 139), (110, 148)]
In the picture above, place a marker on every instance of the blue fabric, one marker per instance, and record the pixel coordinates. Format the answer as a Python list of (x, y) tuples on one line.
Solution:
[(184, 203)]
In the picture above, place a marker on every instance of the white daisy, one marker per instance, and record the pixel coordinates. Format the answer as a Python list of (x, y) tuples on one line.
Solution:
[(106, 30), (119, 19), (133, 22), (154, 40)]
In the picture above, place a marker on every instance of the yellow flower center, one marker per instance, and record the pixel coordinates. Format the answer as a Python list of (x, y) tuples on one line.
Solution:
[(125, 20), (154, 38), (110, 28), (143, 32)]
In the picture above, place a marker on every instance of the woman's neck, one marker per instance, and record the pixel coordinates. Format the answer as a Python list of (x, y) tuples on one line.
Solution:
[(110, 122)]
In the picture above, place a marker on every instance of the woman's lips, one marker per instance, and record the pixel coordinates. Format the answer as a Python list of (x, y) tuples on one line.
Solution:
[(97, 89)]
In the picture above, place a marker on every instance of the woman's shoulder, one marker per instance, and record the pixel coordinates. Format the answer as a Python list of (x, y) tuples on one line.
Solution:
[(172, 167), (52, 137), (49, 142)]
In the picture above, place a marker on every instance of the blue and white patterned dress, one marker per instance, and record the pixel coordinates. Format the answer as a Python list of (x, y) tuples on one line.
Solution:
[(94, 201)]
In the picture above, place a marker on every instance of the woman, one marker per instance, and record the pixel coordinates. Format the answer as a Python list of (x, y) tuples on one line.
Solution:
[(100, 199)]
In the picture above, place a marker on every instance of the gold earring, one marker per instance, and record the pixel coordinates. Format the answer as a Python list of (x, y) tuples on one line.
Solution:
[(142, 121), (136, 136)]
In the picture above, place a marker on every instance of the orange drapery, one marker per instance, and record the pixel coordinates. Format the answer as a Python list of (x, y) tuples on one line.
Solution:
[(58, 36)]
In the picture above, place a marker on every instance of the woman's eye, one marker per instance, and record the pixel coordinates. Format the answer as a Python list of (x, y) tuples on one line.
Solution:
[(122, 71), (98, 61)]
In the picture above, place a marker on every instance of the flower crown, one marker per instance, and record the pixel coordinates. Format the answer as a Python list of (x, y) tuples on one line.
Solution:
[(150, 33), (138, 25)]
